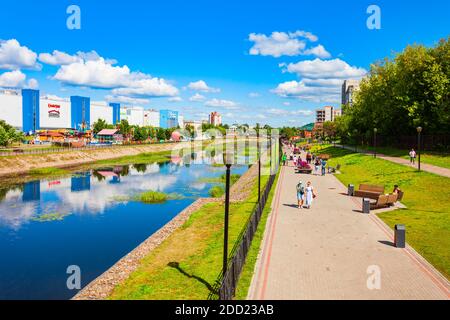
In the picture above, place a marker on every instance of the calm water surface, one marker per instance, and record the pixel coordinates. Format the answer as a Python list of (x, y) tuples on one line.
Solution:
[(86, 220)]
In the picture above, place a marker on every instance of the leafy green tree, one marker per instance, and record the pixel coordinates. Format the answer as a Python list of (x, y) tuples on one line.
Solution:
[(411, 89), (9, 135), (161, 134), (99, 125)]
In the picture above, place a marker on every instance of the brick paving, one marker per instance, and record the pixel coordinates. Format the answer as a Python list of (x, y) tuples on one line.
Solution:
[(326, 252)]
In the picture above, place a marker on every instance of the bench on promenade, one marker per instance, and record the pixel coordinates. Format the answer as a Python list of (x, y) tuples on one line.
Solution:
[(384, 201), (369, 191)]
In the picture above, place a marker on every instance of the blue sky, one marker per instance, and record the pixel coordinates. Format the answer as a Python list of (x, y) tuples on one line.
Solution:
[(227, 51)]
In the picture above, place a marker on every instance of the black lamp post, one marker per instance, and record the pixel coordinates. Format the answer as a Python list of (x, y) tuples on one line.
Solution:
[(228, 160), (259, 165), (355, 132), (419, 143), (375, 130)]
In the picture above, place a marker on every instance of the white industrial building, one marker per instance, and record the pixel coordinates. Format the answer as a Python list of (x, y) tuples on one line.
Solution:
[(47, 112)]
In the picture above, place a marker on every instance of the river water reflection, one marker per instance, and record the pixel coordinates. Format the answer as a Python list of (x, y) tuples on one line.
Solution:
[(88, 220)]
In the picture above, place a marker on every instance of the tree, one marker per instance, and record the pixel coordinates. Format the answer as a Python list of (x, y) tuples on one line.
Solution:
[(9, 135), (140, 133), (399, 94), (125, 128), (329, 130), (161, 134), (101, 124)]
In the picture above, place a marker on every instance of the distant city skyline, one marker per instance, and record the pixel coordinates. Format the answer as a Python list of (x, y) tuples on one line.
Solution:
[(251, 62)]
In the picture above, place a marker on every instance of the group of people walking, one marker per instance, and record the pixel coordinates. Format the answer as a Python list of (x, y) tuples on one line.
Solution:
[(320, 165), (305, 195), (305, 192)]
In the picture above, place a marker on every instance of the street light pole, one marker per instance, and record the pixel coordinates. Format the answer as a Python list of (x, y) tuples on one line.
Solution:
[(259, 167), (375, 130), (356, 140), (419, 143), (228, 163)]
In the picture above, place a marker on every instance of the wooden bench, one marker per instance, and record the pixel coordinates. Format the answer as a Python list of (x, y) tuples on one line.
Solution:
[(384, 201), (369, 191)]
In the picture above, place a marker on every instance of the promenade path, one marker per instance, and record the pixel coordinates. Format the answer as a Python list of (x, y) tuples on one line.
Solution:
[(331, 250), (444, 172)]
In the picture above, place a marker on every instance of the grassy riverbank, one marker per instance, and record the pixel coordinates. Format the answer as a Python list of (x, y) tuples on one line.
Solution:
[(438, 159), (187, 264), (427, 217)]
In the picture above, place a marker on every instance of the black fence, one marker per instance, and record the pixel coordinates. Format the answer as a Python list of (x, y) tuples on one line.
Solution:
[(225, 286)]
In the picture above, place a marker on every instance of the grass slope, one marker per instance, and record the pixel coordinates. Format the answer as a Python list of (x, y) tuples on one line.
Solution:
[(187, 264), (427, 217)]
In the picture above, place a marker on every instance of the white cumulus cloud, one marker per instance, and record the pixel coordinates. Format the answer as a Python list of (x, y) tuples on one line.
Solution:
[(324, 69), (197, 98), (127, 100), (318, 51), (320, 80), (175, 99), (276, 45), (217, 103), (96, 72), (201, 86), (14, 56), (280, 44), (13, 79)]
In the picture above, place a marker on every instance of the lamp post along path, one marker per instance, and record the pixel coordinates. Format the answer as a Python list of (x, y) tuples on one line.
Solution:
[(419, 144), (228, 159), (375, 130)]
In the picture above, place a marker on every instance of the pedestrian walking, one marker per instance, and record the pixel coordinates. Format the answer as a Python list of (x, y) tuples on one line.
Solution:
[(324, 164), (309, 195), (412, 156), (300, 194), (284, 158), (308, 158), (316, 166)]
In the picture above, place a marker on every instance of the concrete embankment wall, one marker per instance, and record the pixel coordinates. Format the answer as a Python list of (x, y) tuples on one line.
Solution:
[(22, 163)]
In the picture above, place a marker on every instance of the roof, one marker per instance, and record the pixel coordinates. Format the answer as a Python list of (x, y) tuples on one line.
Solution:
[(308, 127), (51, 134), (107, 132)]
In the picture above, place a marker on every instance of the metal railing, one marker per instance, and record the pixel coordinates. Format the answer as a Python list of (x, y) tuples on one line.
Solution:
[(225, 286)]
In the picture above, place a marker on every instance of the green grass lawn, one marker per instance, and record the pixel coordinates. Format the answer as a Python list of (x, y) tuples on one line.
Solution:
[(187, 264), (434, 158), (427, 196)]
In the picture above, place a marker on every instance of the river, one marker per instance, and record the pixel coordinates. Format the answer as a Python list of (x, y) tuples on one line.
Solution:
[(88, 219)]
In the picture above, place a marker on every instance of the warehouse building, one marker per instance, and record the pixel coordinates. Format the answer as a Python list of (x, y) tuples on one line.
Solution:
[(29, 112)]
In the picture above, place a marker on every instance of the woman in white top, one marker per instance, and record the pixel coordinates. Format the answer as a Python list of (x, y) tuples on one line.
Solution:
[(309, 194)]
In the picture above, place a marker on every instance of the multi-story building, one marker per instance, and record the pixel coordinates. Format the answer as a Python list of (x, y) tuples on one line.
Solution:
[(215, 119), (168, 119), (197, 125), (151, 118), (328, 113), (325, 114), (349, 87), (180, 121), (337, 113), (320, 116), (28, 111)]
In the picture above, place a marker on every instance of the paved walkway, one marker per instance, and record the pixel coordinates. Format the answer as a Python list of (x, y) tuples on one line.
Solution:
[(423, 166), (326, 252)]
